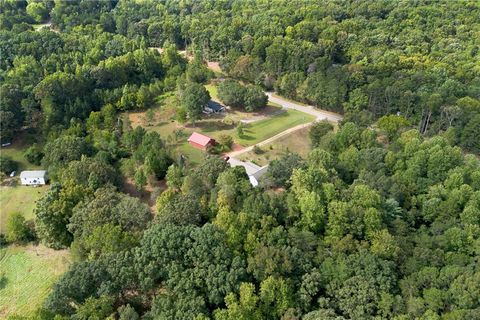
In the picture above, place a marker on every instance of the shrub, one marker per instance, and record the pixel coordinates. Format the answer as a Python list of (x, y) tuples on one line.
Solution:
[(226, 142), (240, 130), (257, 150)]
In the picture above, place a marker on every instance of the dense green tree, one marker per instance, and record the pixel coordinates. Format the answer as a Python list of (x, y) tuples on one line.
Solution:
[(52, 214), (37, 11), (318, 130), (34, 154), (7, 165), (254, 98), (61, 151), (17, 229), (232, 93), (280, 171), (469, 139), (194, 98), (391, 124)]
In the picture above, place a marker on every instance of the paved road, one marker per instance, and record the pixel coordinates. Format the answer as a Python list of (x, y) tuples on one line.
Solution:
[(318, 114)]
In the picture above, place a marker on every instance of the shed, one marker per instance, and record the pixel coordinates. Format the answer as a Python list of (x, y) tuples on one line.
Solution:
[(253, 171), (34, 177), (200, 141)]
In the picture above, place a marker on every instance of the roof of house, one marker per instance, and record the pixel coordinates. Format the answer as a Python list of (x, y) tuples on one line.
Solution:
[(215, 106), (251, 168), (200, 139), (33, 174)]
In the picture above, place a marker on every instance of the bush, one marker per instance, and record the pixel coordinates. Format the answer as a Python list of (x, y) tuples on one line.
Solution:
[(226, 142), (34, 155), (7, 165), (257, 150), (240, 130), (214, 149), (17, 229)]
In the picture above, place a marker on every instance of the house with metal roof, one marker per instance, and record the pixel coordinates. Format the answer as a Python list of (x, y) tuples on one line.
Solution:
[(33, 177), (253, 171), (213, 107)]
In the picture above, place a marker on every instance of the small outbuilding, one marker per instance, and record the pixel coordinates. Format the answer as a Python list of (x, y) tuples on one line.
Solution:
[(34, 177), (253, 171), (200, 141)]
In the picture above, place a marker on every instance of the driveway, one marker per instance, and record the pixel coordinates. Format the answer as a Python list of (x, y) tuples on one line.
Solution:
[(318, 114)]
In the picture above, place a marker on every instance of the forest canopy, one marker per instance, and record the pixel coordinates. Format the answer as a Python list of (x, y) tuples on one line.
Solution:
[(380, 220)]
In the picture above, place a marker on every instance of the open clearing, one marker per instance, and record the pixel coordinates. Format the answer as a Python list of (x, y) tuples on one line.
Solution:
[(27, 274), (296, 142), (268, 122), (18, 199), (176, 134)]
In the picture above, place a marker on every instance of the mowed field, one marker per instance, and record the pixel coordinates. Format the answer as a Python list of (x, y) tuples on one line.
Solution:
[(27, 274), (296, 142), (20, 199)]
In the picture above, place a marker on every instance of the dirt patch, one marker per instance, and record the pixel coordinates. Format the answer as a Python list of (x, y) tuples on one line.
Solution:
[(214, 66), (160, 115), (147, 194), (237, 147), (41, 251)]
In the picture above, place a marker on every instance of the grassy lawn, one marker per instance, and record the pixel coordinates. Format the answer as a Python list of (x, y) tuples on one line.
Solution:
[(17, 148), (253, 132), (212, 89), (264, 129), (296, 142), (27, 274), (18, 199)]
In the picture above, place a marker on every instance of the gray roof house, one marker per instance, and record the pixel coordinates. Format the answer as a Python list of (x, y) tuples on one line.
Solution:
[(213, 107), (254, 172)]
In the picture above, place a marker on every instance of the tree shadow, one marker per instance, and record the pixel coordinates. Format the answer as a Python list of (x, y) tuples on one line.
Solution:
[(3, 281)]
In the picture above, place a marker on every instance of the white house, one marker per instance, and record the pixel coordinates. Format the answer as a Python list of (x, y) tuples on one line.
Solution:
[(33, 178), (254, 172)]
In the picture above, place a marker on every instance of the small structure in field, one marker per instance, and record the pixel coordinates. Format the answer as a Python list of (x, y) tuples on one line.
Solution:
[(34, 177), (213, 107), (254, 172), (200, 141)]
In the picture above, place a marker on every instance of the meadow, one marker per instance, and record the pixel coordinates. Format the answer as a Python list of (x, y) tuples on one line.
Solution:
[(27, 274)]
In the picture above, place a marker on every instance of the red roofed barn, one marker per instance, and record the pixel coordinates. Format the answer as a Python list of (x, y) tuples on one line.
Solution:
[(200, 141)]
